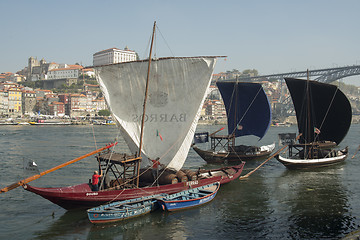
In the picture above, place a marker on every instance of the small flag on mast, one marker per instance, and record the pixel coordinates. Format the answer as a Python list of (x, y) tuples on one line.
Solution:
[(316, 130)]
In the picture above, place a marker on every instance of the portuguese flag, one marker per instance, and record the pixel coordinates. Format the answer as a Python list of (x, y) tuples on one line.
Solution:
[(158, 134)]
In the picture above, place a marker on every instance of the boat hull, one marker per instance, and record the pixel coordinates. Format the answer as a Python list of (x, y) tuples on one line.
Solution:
[(50, 123), (211, 156), (313, 163), (122, 210), (188, 202), (81, 196)]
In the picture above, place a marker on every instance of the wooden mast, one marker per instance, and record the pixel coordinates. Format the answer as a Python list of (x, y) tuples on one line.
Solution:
[(144, 105), (309, 120), (235, 115)]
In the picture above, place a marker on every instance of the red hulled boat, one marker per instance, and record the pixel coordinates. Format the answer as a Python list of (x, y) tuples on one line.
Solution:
[(156, 104), (81, 196)]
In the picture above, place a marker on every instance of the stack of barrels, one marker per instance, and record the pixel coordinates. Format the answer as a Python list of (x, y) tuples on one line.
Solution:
[(168, 176)]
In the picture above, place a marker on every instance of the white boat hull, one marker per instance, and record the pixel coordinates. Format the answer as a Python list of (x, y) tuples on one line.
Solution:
[(293, 163)]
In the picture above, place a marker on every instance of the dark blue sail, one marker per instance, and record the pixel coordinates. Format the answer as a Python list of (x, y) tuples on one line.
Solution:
[(247, 108), (320, 106)]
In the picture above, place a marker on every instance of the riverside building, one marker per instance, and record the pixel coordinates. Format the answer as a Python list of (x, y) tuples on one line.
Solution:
[(113, 55)]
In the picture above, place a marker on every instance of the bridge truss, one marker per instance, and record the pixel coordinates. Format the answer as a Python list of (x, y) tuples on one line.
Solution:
[(327, 75)]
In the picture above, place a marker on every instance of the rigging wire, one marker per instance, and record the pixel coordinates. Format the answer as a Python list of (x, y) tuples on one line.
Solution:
[(165, 41), (93, 132), (248, 108), (328, 109), (245, 113)]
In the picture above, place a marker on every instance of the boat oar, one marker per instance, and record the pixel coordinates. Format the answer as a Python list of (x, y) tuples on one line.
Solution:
[(273, 155), (32, 178), (355, 152)]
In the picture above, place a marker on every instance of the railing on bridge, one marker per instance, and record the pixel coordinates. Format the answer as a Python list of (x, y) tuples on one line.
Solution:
[(327, 75)]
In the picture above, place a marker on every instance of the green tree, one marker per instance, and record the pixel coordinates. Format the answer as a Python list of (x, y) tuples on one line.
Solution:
[(249, 72), (104, 112)]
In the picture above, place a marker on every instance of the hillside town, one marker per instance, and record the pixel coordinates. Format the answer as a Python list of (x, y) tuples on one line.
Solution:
[(70, 91)]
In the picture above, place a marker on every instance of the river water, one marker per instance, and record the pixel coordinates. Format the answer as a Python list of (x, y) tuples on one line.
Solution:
[(273, 203)]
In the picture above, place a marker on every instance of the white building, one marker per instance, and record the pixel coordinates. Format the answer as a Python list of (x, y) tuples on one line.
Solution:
[(4, 102), (88, 71), (70, 71), (113, 55)]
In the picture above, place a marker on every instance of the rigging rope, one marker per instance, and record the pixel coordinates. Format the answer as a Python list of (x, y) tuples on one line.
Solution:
[(92, 127), (165, 41), (248, 108), (327, 111)]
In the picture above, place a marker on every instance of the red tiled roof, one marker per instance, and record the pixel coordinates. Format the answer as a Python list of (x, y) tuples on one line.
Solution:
[(58, 103), (43, 90), (77, 95), (14, 89), (28, 91)]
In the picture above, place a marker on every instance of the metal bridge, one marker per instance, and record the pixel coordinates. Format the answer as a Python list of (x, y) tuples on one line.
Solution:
[(327, 75)]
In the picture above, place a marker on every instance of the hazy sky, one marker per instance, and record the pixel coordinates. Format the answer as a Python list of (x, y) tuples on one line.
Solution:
[(270, 36)]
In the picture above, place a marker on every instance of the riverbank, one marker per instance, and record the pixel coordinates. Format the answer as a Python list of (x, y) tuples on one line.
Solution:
[(291, 120), (54, 121)]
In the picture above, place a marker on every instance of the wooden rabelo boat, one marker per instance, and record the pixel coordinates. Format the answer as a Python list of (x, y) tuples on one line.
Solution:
[(248, 113), (324, 115), (189, 198), (159, 124), (82, 196)]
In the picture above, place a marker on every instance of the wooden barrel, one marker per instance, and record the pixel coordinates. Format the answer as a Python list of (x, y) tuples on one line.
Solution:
[(181, 176), (146, 176), (167, 178), (190, 174)]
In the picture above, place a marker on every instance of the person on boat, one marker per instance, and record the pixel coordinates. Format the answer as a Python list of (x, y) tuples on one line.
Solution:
[(155, 169), (95, 180)]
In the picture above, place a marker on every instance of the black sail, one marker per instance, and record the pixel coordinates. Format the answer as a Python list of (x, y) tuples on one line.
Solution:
[(320, 106)]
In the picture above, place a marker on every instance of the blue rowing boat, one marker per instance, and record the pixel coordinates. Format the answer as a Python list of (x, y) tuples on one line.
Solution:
[(189, 198), (122, 210)]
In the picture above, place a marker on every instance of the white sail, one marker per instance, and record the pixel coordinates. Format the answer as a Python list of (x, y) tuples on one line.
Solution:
[(177, 88)]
